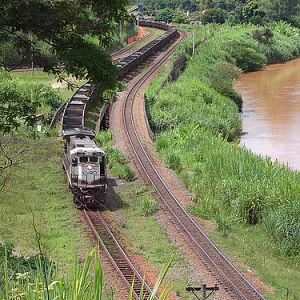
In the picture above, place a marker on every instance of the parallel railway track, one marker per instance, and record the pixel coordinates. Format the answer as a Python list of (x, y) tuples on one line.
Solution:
[(228, 276), (128, 49), (117, 256)]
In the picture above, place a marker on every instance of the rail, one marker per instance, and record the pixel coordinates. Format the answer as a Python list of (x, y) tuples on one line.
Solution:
[(117, 255)]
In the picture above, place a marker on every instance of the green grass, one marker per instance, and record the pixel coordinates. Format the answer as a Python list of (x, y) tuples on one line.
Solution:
[(48, 79), (38, 187), (43, 281), (251, 246), (146, 236), (117, 162)]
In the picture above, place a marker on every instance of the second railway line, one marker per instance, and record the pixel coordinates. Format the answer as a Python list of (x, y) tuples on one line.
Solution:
[(228, 276)]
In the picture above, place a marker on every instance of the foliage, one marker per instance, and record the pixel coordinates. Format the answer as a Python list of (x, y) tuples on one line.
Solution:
[(283, 225), (252, 12), (227, 180), (87, 281), (22, 101), (151, 6), (262, 35), (165, 15), (214, 15), (26, 26), (117, 161), (193, 124), (147, 207)]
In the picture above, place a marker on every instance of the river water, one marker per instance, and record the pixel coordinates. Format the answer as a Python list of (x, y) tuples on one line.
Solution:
[(271, 112)]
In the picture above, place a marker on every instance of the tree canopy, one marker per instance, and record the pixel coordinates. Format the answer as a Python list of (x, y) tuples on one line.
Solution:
[(60, 36)]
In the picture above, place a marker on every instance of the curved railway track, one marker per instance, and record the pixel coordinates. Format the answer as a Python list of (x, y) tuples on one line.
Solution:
[(228, 276), (81, 96), (116, 255), (128, 49)]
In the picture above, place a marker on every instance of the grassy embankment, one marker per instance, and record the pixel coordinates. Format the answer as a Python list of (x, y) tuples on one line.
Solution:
[(47, 79), (37, 188), (253, 201)]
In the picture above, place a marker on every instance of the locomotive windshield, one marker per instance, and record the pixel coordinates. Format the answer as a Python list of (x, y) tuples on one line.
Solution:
[(83, 159), (86, 159), (93, 159)]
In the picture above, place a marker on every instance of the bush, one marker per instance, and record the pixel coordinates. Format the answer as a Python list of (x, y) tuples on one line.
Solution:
[(147, 207), (21, 101), (214, 15), (262, 35), (283, 225)]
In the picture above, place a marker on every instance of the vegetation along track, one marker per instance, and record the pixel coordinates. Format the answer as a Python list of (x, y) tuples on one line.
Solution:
[(116, 254), (227, 275)]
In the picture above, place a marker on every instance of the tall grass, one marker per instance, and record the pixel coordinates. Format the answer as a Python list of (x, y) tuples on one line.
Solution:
[(195, 117), (229, 181), (117, 162), (87, 282)]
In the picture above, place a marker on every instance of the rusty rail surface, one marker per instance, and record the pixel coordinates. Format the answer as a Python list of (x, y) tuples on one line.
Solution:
[(117, 255)]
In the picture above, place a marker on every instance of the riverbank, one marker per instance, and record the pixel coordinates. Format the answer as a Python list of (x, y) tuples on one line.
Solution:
[(251, 200)]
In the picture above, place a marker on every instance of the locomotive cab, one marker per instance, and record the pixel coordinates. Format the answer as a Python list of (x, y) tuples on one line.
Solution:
[(88, 164)]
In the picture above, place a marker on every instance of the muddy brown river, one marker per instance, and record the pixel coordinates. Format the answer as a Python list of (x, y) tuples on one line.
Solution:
[(271, 112)]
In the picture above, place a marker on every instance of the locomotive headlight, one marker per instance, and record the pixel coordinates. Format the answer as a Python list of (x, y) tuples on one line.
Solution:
[(90, 167)]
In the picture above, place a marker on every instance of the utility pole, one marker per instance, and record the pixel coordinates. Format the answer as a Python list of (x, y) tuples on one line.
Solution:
[(203, 290), (193, 38)]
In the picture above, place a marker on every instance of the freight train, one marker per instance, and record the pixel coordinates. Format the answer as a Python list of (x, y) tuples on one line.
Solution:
[(83, 161)]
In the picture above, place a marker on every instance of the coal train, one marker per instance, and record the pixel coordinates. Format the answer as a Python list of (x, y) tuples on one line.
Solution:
[(83, 161)]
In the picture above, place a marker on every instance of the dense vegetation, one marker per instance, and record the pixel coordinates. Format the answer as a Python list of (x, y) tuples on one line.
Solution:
[(38, 278), (194, 119), (221, 11), (22, 101), (26, 26)]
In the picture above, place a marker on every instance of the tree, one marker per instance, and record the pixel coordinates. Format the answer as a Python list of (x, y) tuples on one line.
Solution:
[(252, 12), (280, 9), (165, 15), (214, 15), (41, 28)]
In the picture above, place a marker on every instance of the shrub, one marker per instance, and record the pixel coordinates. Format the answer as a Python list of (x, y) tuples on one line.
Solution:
[(214, 15), (21, 101), (283, 225), (147, 207), (262, 35)]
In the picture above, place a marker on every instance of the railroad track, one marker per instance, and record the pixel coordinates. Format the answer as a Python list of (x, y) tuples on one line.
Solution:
[(227, 275), (116, 254), (127, 50)]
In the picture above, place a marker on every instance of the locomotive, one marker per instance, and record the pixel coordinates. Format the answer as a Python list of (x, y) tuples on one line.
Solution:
[(85, 166)]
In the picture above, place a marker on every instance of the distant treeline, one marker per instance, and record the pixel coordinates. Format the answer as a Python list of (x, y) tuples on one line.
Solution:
[(221, 11)]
